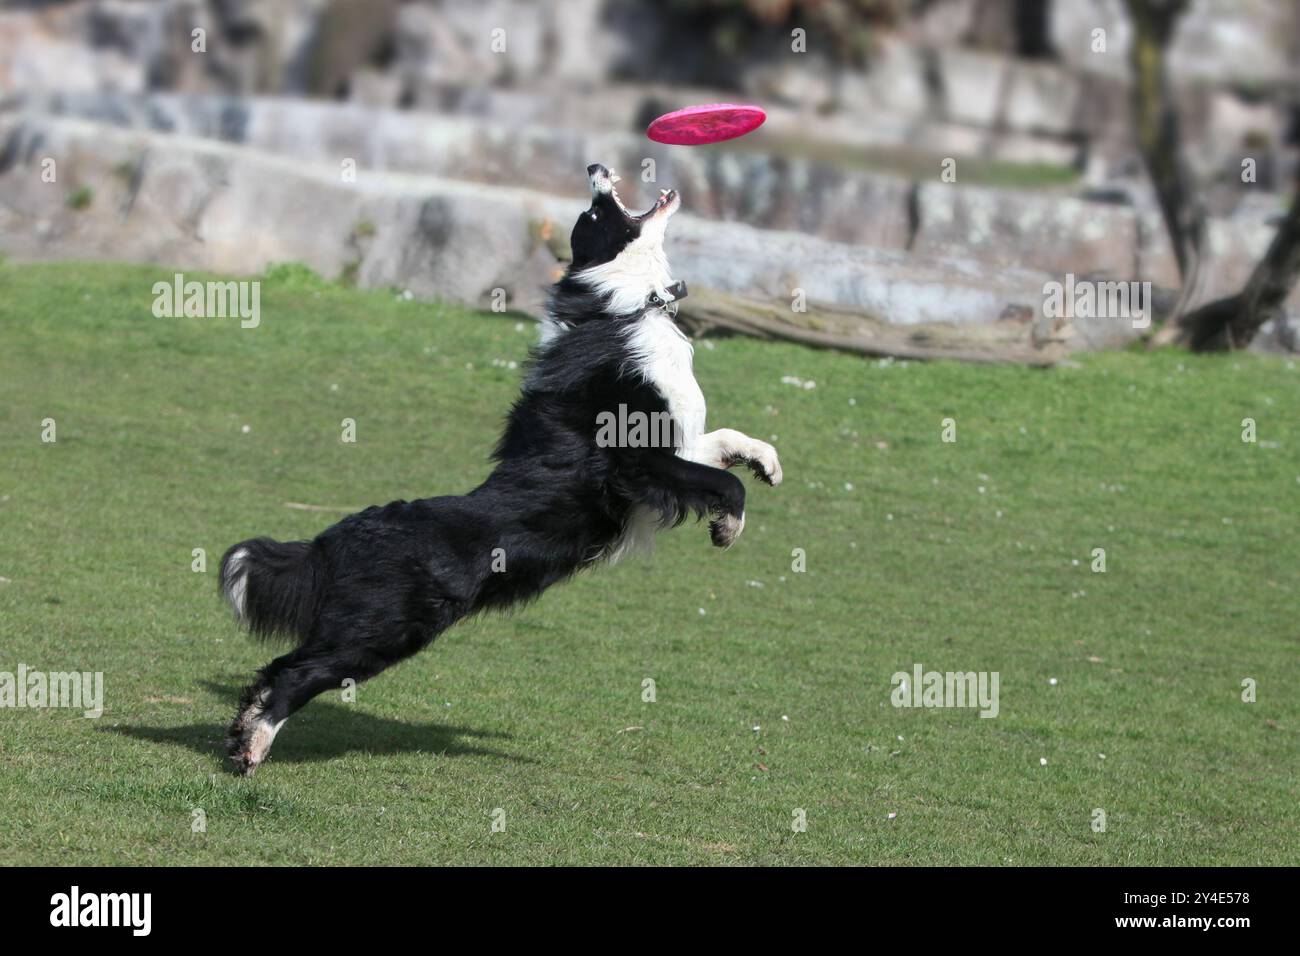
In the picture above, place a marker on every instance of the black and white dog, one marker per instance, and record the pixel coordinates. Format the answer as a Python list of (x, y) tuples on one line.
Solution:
[(382, 584)]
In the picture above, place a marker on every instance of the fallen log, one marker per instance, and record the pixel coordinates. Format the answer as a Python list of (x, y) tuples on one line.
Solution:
[(1004, 341)]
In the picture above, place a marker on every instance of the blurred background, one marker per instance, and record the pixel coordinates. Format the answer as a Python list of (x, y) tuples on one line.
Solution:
[(927, 168)]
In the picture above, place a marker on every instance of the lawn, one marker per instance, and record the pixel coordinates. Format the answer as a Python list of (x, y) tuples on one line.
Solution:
[(772, 686)]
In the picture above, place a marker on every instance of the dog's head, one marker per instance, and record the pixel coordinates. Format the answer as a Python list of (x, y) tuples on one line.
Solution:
[(620, 254)]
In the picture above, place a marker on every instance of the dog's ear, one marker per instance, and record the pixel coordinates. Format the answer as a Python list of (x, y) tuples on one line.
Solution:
[(601, 233)]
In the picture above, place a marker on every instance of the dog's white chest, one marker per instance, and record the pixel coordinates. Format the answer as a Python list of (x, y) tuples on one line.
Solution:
[(665, 356)]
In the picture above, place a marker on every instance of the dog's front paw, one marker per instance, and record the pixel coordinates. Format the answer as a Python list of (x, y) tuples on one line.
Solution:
[(759, 457), (725, 529), (764, 463)]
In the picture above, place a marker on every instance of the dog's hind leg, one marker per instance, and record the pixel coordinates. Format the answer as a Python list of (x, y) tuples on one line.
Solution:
[(253, 730), (290, 681), (251, 733)]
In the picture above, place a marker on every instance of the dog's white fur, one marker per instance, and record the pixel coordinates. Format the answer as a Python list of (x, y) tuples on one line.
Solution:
[(642, 267), (666, 361), (238, 576), (665, 358), (259, 741)]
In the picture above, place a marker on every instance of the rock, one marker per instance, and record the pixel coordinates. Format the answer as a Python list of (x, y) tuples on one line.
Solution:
[(1073, 30), (817, 197), (1053, 233), (1243, 42), (50, 52), (972, 85), (941, 25), (1043, 98), (512, 42), (203, 204), (899, 288), (1240, 130), (1232, 250), (347, 35), (375, 89), (894, 82), (1155, 253)]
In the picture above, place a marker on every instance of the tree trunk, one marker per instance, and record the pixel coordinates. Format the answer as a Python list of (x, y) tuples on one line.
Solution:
[(1033, 29), (1159, 137), (1233, 321)]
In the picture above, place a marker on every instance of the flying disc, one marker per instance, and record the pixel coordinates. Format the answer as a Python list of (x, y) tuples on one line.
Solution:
[(711, 123)]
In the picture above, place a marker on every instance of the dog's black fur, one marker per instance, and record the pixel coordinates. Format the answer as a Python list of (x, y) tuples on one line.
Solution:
[(380, 585)]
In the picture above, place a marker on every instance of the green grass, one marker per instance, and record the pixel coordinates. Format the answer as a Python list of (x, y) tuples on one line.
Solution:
[(916, 164), (81, 198), (958, 556)]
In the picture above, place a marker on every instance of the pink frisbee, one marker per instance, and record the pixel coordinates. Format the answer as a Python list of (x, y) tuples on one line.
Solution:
[(712, 123)]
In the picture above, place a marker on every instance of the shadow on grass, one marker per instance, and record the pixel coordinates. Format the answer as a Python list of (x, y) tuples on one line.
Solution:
[(323, 731)]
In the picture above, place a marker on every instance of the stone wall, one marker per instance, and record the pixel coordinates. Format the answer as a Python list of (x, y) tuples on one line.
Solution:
[(469, 162)]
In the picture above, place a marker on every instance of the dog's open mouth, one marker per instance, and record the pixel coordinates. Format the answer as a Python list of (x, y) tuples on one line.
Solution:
[(667, 197), (667, 200), (605, 181)]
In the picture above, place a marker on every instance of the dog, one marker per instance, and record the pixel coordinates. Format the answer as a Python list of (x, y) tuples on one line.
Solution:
[(381, 584)]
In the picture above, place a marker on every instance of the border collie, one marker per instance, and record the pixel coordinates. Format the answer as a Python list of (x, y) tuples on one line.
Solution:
[(380, 585)]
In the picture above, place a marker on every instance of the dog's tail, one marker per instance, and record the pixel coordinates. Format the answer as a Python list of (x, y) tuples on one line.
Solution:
[(275, 587)]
